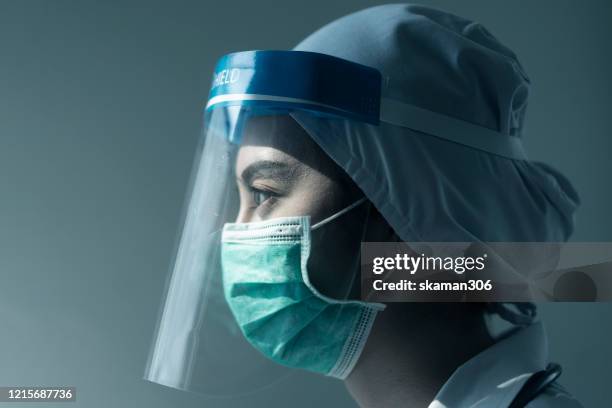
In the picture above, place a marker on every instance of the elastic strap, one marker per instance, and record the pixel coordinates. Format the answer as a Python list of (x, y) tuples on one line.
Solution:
[(339, 213), (452, 129)]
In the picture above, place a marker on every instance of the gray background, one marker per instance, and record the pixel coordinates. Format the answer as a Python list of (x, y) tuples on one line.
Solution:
[(100, 108)]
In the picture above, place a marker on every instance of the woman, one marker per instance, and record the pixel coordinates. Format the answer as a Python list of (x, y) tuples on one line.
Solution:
[(395, 123)]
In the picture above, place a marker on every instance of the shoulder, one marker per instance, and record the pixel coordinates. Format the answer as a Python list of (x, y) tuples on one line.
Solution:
[(555, 396)]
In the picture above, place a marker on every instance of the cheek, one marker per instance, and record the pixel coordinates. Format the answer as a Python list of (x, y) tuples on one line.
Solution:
[(333, 266), (313, 195), (319, 196)]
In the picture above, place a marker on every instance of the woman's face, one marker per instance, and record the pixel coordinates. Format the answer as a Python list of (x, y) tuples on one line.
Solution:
[(281, 171)]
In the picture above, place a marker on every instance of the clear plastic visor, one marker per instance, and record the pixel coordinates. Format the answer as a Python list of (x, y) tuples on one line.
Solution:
[(254, 164)]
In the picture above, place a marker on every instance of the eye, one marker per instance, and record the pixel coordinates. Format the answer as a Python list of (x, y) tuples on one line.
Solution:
[(260, 196)]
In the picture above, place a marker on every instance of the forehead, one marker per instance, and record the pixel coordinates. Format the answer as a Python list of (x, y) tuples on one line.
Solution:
[(281, 132), (276, 138)]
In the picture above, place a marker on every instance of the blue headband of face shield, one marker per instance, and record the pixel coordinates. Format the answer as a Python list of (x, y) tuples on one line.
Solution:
[(331, 86)]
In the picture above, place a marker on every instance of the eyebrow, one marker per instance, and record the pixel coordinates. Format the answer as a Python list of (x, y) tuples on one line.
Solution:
[(266, 169)]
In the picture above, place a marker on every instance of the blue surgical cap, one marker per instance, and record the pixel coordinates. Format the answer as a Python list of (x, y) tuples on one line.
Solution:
[(428, 188)]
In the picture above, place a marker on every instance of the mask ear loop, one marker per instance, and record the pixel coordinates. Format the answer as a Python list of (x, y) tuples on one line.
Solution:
[(339, 213), (356, 268)]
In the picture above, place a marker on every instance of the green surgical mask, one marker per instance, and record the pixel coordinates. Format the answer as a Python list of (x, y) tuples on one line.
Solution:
[(280, 313)]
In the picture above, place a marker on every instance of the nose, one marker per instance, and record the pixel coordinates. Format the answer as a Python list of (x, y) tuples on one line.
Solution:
[(244, 214)]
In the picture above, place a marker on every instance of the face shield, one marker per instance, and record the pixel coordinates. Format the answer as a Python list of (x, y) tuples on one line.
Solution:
[(245, 298), (266, 273)]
